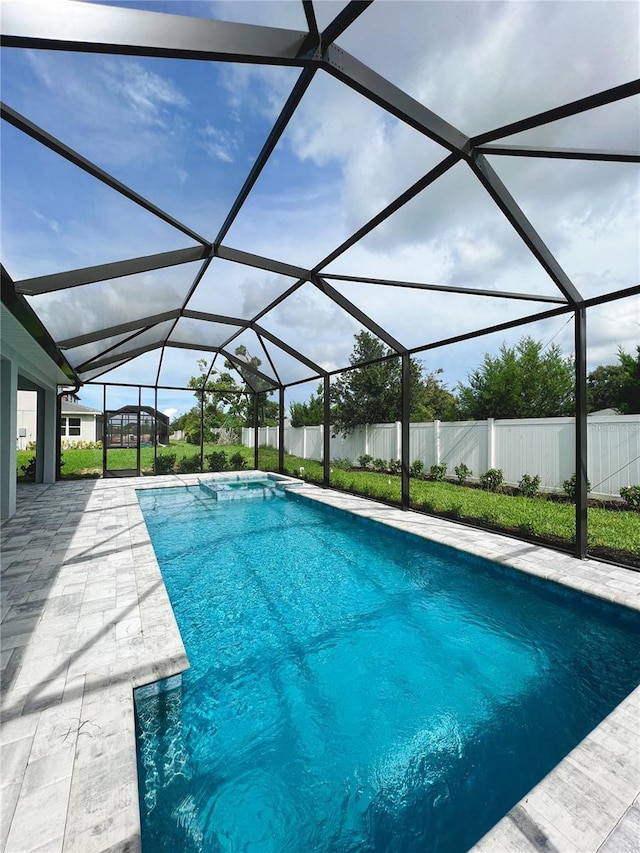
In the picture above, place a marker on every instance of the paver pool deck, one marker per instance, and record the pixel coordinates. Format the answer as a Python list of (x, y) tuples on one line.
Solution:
[(86, 618)]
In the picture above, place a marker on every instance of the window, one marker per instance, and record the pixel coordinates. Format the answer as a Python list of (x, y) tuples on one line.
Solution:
[(73, 426)]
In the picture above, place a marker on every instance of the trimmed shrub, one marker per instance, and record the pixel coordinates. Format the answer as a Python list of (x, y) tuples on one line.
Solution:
[(492, 479), (237, 462), (417, 468), (189, 464), (462, 473), (438, 472), (217, 461), (529, 486), (379, 465), (163, 463), (365, 461), (395, 466), (631, 495), (570, 486)]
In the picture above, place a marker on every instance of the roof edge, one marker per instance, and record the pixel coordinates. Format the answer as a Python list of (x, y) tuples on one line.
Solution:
[(29, 320)]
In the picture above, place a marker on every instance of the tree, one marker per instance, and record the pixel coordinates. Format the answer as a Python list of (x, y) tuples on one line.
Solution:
[(521, 382), (432, 400), (630, 398), (373, 393), (604, 387), (226, 403), (310, 413), (616, 386)]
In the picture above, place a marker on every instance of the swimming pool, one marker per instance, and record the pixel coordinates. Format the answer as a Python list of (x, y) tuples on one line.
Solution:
[(355, 689)]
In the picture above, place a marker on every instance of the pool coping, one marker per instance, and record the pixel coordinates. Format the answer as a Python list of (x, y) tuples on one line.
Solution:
[(72, 657)]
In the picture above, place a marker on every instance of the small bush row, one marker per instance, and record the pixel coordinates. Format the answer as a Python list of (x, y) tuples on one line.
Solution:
[(492, 480), (165, 463), (81, 445)]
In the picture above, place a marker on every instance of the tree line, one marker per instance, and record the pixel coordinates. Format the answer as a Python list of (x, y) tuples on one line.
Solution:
[(522, 381), (526, 380)]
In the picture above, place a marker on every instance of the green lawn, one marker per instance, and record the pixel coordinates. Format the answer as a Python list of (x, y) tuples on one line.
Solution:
[(88, 463), (539, 517), (545, 519)]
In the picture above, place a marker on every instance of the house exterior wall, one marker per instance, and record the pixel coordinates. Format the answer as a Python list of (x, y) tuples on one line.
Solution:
[(26, 418), (87, 427)]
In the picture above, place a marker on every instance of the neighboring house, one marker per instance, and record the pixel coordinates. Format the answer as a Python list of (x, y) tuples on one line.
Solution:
[(77, 423)]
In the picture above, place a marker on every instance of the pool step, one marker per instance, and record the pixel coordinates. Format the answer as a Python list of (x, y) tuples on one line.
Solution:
[(248, 490)]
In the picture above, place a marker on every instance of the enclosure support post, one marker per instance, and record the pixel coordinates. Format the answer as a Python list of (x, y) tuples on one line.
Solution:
[(256, 460), (581, 430), (202, 429), (139, 425), (155, 430), (104, 433), (281, 431), (326, 433), (406, 406)]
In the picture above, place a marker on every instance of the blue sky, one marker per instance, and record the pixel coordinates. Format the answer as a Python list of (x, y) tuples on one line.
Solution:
[(185, 135)]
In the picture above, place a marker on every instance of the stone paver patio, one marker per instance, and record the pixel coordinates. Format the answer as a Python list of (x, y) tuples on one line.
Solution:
[(85, 618)]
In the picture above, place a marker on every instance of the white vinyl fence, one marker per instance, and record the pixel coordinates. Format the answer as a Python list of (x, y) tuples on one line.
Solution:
[(542, 446)]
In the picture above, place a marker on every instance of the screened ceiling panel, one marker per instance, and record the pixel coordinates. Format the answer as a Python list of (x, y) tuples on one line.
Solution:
[(255, 175), (340, 161), (236, 290), (436, 315), (147, 339), (246, 347), (289, 369), (275, 13), (449, 234), (174, 131), (202, 332), (140, 370), (89, 375), (329, 328), (586, 212), (180, 364), (105, 304), (81, 354), (73, 219), (481, 65)]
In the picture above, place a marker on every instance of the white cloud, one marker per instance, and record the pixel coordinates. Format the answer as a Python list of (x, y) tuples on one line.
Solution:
[(144, 92), (219, 143), (53, 224)]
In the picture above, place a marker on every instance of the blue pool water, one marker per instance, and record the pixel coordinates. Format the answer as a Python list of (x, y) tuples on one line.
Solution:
[(356, 689)]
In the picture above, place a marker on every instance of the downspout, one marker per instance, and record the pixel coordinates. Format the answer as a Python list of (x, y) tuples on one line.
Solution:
[(59, 397)]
